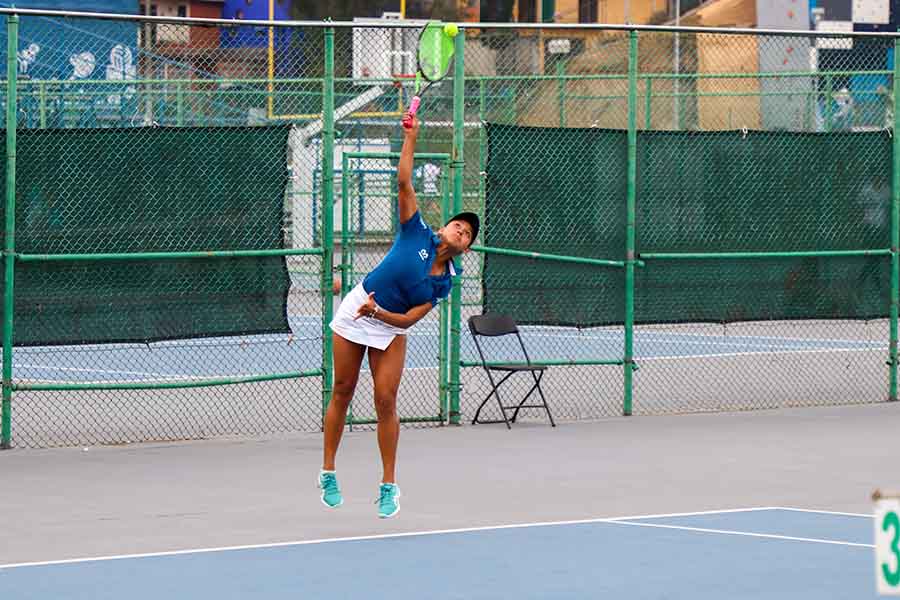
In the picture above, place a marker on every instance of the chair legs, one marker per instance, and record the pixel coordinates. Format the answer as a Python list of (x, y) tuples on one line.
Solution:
[(544, 405), (495, 392)]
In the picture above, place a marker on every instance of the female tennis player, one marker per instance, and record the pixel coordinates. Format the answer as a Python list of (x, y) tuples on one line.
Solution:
[(375, 316)]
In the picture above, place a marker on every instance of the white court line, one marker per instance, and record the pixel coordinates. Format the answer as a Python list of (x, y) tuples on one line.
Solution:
[(185, 343), (617, 332), (381, 537), (753, 353), (698, 513), (161, 377), (759, 337), (406, 369), (611, 332), (743, 533), (164, 380), (718, 340), (167, 376), (825, 512), (746, 354)]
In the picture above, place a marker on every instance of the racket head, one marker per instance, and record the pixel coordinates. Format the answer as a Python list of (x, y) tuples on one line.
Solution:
[(434, 53)]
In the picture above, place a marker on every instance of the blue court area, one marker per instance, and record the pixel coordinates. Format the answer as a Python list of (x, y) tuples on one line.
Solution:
[(771, 553), (301, 350)]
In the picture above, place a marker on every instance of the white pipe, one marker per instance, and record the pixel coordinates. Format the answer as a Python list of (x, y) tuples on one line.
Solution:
[(314, 128)]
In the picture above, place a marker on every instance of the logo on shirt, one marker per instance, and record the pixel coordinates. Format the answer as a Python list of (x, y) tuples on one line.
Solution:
[(423, 254)]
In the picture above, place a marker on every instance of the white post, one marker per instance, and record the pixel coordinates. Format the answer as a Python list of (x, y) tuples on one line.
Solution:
[(148, 60)]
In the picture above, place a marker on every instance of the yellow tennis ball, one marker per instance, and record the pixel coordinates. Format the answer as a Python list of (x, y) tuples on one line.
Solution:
[(451, 29)]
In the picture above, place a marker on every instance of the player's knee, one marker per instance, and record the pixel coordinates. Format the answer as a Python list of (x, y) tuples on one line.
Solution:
[(386, 404), (343, 389)]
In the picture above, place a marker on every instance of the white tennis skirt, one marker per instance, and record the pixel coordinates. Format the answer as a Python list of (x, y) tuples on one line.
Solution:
[(365, 331)]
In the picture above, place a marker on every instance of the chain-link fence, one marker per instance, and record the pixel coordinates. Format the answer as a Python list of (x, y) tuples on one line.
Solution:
[(168, 281), (801, 328), (681, 221), (762, 197)]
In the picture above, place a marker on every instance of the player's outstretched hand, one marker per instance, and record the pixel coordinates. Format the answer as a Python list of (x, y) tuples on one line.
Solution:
[(410, 124)]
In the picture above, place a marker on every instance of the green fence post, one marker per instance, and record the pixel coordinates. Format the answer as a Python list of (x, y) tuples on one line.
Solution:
[(482, 142), (648, 104), (459, 98), (629, 232), (327, 216), (12, 46), (179, 104), (561, 90), (42, 104), (827, 107), (482, 159), (810, 111), (345, 224), (895, 226), (444, 341)]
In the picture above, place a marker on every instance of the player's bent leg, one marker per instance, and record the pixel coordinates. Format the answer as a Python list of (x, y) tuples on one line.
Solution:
[(347, 360), (387, 370)]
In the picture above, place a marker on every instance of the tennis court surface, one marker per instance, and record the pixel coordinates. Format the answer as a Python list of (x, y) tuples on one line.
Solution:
[(767, 504)]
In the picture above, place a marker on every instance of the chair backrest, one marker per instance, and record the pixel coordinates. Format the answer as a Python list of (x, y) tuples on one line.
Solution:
[(492, 324), (495, 325)]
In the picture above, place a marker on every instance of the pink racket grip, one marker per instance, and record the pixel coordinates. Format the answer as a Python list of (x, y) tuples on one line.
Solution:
[(413, 107)]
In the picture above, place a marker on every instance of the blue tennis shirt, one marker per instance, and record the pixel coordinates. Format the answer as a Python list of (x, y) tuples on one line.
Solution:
[(402, 279)]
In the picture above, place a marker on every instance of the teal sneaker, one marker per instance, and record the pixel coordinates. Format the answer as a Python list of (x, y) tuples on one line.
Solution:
[(331, 493), (388, 500)]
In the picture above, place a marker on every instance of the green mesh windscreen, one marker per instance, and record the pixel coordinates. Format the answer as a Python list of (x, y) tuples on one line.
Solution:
[(763, 192), (546, 194), (149, 190), (563, 191)]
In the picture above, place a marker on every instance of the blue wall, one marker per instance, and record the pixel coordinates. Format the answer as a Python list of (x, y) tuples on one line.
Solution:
[(287, 64), (256, 10), (254, 37)]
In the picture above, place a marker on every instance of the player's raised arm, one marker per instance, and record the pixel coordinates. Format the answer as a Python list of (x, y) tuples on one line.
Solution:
[(407, 195)]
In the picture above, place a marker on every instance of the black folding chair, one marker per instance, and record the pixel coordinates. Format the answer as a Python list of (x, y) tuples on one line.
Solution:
[(496, 325)]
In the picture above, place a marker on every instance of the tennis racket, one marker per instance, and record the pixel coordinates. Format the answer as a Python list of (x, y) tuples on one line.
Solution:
[(433, 57)]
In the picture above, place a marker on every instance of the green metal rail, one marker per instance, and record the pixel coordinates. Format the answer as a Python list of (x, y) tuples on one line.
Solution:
[(550, 363), (195, 383), (743, 255), (168, 255), (599, 262)]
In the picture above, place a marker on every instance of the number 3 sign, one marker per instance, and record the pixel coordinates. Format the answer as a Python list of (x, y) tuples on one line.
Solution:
[(887, 544)]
